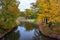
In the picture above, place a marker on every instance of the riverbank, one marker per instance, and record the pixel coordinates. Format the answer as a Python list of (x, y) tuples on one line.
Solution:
[(23, 19), (24, 28), (45, 30), (7, 32)]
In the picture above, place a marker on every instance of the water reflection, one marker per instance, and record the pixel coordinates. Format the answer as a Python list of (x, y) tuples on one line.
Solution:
[(12, 36), (28, 26), (39, 36), (26, 31), (25, 35)]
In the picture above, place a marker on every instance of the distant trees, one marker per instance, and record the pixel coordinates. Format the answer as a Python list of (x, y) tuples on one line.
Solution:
[(35, 9), (8, 13), (28, 13)]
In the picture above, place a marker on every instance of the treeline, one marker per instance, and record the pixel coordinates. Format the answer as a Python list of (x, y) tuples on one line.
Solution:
[(30, 13), (42, 10)]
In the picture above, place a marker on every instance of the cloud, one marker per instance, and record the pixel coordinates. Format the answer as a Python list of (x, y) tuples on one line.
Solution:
[(25, 4)]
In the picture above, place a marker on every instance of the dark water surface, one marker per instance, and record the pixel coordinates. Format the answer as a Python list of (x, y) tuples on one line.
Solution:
[(26, 31)]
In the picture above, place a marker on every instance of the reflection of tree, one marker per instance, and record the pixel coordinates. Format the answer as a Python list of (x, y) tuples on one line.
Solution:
[(12, 36), (39, 36), (36, 35), (29, 26)]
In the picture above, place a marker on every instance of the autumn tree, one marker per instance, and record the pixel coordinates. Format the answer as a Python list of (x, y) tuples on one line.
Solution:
[(9, 13), (48, 10)]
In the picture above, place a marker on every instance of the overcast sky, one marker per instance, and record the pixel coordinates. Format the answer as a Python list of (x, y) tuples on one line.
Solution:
[(25, 4)]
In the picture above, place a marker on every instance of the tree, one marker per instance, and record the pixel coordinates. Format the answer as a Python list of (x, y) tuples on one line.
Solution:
[(48, 9), (35, 9), (28, 13), (9, 13)]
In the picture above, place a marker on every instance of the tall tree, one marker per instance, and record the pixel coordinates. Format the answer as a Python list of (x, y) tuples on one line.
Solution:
[(35, 10), (48, 9), (9, 13)]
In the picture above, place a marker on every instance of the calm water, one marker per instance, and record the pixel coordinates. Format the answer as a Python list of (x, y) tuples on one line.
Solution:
[(26, 31)]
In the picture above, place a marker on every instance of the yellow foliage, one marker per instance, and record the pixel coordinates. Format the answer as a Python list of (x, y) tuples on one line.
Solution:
[(50, 10)]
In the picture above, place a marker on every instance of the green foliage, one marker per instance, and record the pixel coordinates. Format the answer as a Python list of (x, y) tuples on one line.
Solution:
[(27, 13), (8, 14), (33, 16)]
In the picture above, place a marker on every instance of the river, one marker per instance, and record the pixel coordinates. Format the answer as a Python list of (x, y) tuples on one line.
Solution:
[(26, 31)]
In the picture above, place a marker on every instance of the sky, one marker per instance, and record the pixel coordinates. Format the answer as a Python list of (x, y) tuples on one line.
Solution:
[(25, 4)]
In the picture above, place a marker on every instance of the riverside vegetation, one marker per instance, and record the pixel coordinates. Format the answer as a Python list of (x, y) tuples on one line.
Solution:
[(45, 12)]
